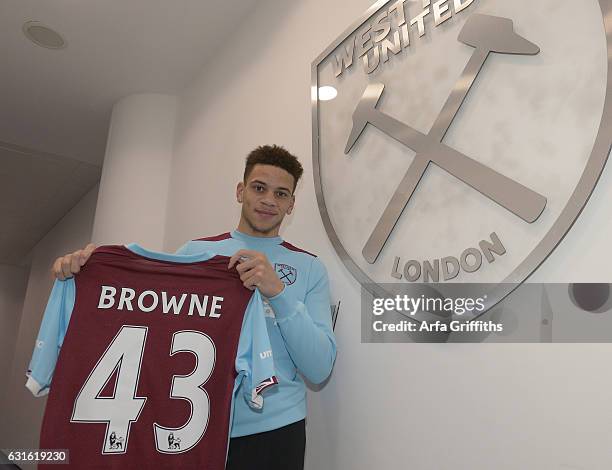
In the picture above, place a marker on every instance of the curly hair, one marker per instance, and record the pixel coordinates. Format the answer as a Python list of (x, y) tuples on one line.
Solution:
[(276, 156)]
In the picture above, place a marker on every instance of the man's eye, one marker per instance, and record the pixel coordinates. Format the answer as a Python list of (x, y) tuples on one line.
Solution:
[(259, 188), (282, 194)]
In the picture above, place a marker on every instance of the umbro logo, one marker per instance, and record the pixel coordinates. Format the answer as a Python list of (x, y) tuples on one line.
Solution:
[(265, 354)]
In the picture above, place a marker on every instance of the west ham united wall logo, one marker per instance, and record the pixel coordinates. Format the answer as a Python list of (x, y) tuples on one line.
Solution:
[(465, 138)]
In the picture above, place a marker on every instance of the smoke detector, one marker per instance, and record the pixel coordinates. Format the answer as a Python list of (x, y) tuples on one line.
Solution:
[(43, 36)]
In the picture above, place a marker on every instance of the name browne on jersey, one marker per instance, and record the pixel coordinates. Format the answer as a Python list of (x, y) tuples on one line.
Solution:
[(148, 300)]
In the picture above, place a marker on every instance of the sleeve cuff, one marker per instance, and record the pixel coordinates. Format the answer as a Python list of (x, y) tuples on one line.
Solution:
[(256, 400), (282, 306), (33, 386)]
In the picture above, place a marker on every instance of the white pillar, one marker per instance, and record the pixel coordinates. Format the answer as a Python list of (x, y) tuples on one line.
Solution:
[(136, 173)]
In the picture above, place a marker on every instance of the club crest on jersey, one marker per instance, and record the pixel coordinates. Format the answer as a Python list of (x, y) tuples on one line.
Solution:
[(286, 273)]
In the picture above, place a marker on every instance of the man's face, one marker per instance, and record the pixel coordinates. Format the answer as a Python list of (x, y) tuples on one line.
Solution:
[(266, 197)]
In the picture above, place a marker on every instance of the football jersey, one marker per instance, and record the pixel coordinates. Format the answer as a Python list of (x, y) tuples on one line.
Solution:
[(143, 353)]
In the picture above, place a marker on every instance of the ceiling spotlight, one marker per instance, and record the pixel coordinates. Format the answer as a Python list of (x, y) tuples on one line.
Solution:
[(327, 93), (42, 35)]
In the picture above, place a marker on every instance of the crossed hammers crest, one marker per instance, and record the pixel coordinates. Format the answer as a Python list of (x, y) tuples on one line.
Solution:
[(486, 34)]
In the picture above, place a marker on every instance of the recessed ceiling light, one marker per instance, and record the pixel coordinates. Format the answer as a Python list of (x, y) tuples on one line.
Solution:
[(42, 35), (327, 93)]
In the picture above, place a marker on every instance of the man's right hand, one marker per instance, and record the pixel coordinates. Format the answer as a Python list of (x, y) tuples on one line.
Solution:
[(65, 266)]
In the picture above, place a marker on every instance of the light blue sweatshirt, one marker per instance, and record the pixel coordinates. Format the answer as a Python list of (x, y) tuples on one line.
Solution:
[(299, 325)]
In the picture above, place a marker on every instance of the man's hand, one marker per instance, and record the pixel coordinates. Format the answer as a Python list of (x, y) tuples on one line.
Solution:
[(256, 271), (65, 266)]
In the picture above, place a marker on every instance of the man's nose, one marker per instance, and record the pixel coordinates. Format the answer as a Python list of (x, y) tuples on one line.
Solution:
[(268, 199)]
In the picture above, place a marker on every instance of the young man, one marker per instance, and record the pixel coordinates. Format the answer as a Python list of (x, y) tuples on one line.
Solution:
[(295, 284)]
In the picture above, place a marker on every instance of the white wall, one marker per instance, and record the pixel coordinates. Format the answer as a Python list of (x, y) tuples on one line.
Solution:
[(22, 413), (13, 281), (391, 406)]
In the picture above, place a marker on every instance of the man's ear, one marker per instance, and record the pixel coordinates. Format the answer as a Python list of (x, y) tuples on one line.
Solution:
[(239, 191)]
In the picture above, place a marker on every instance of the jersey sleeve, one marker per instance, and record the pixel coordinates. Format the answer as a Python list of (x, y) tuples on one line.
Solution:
[(50, 337), (254, 362), (306, 326)]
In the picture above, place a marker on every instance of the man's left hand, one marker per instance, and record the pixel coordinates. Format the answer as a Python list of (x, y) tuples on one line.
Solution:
[(256, 271)]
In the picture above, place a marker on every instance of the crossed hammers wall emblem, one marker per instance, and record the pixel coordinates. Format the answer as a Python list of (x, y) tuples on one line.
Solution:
[(486, 34)]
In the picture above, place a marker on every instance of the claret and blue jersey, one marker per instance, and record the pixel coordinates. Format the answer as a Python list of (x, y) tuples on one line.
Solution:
[(143, 354), (299, 325)]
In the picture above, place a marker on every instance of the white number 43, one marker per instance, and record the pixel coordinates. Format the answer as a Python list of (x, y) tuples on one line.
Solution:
[(124, 356)]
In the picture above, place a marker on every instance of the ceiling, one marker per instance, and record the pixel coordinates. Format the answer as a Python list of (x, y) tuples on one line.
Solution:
[(56, 104)]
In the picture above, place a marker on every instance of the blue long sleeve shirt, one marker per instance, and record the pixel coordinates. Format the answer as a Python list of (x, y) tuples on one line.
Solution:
[(299, 325)]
